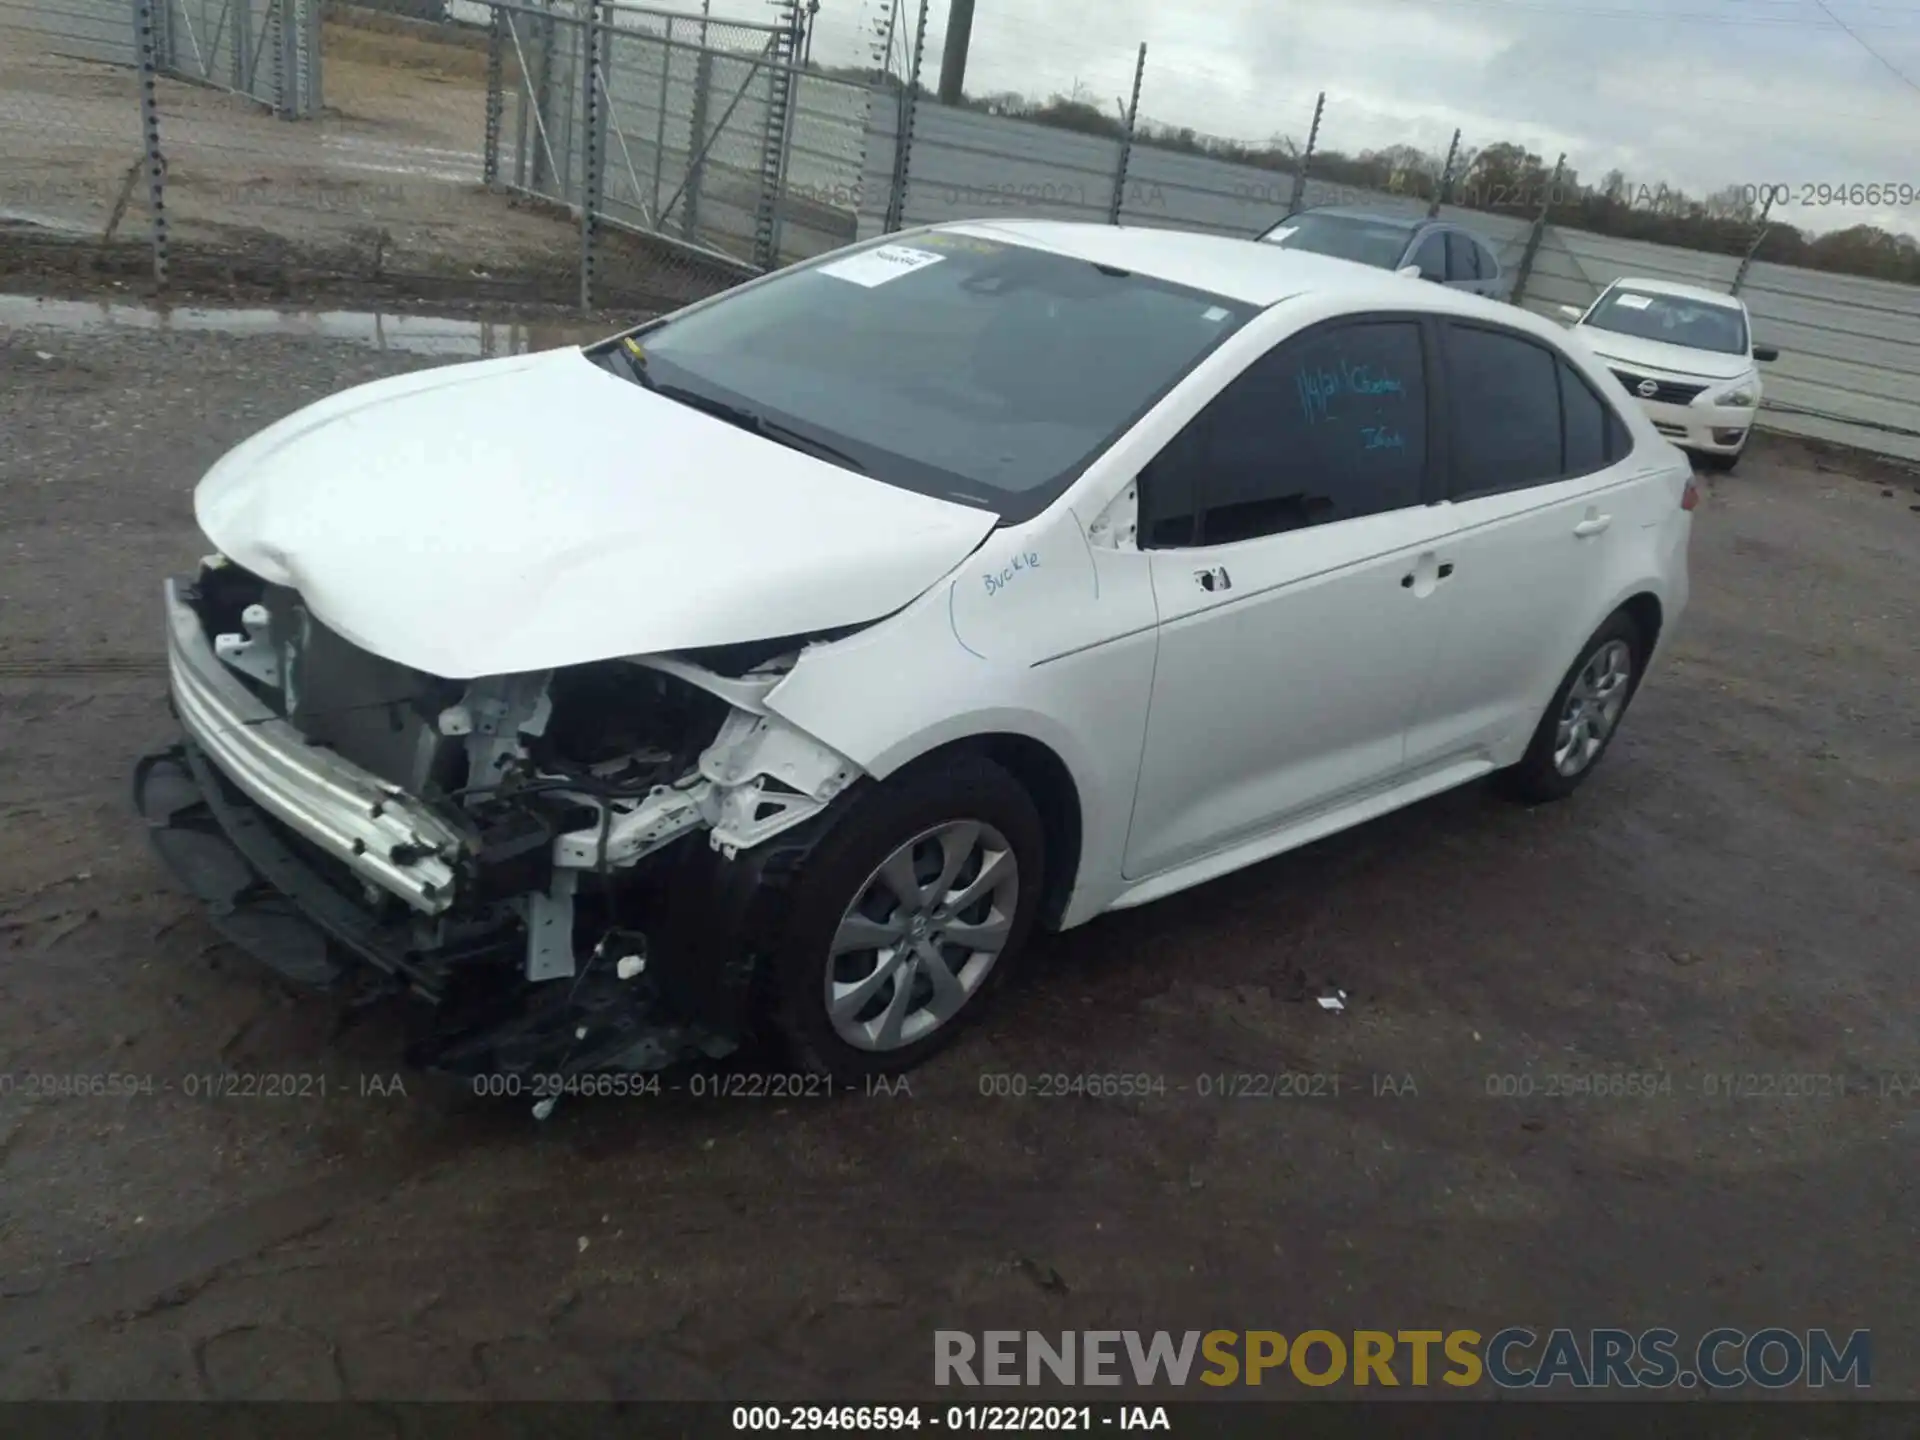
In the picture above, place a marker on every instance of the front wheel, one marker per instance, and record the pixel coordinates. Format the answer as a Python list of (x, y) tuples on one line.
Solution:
[(905, 918), (1584, 717)]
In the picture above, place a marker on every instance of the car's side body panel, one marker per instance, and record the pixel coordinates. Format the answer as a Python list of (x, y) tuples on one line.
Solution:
[(1067, 662), (1106, 654)]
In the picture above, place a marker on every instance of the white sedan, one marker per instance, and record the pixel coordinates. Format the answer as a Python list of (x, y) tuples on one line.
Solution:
[(780, 666), (1687, 355)]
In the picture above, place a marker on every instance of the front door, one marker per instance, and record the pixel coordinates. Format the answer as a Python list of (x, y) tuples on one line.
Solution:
[(1295, 563)]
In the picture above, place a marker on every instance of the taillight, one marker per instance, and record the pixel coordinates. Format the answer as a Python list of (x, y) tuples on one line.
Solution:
[(1690, 497)]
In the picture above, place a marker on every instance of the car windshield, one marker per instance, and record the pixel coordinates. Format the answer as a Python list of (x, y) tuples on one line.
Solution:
[(972, 369), (1676, 319), (1379, 243)]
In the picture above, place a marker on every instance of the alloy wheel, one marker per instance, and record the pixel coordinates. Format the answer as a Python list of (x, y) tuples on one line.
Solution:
[(922, 935), (1594, 702)]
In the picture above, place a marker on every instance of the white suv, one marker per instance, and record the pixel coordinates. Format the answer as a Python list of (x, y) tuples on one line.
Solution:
[(783, 663), (1687, 355)]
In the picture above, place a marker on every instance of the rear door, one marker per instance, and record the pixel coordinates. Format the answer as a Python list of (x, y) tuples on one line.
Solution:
[(1538, 485), (1492, 281), (1463, 261), (1430, 254), (1471, 266)]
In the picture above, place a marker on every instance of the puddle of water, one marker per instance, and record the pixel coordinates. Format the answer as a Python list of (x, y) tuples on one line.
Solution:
[(13, 217), (415, 334)]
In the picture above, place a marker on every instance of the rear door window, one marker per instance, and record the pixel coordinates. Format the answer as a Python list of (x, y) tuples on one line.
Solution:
[(1463, 257), (1503, 408), (1431, 257)]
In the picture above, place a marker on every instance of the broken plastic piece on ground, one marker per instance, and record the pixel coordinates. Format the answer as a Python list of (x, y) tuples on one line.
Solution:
[(1336, 1001)]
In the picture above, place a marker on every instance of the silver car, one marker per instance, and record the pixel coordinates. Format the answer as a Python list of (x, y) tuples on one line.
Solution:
[(1435, 250)]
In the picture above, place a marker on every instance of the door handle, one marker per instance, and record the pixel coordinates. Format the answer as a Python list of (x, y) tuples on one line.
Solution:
[(1425, 562), (1592, 525), (1215, 580)]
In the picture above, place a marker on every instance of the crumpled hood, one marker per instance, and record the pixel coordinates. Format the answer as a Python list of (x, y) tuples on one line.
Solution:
[(534, 512), (1656, 357)]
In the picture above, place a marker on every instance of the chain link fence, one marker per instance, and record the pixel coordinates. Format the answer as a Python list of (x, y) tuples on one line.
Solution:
[(553, 149), (70, 127)]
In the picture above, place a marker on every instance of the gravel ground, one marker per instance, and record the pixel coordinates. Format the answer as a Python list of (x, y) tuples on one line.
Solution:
[(1734, 894)]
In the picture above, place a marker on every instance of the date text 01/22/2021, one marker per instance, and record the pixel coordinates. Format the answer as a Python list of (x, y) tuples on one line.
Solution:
[(203, 1085), (963, 1419)]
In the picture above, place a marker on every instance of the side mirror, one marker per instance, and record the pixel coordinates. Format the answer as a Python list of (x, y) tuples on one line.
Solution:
[(1764, 353), (1411, 272), (1572, 312)]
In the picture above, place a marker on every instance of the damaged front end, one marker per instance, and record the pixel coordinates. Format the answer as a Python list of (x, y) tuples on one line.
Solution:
[(563, 863)]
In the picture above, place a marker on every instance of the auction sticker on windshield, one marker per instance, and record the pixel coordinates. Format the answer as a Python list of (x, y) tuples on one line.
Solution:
[(1632, 302), (877, 267)]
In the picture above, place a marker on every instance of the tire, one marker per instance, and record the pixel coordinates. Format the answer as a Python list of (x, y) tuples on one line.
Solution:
[(964, 802), (1720, 464), (1540, 777)]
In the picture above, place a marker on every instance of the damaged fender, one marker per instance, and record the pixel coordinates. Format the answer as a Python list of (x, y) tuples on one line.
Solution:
[(761, 776)]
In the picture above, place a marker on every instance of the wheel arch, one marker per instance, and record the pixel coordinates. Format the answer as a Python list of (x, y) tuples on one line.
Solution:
[(1646, 612), (1045, 775)]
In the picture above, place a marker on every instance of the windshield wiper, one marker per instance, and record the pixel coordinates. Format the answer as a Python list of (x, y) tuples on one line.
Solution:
[(635, 363), (753, 422)]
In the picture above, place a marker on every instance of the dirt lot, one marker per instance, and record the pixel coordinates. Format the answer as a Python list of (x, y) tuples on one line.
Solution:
[(1735, 894), (381, 196)]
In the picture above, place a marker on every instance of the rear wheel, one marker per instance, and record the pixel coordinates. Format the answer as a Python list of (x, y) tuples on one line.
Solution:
[(1584, 717), (908, 914)]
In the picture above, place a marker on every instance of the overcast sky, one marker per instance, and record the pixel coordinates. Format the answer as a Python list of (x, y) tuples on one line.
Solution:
[(1694, 93)]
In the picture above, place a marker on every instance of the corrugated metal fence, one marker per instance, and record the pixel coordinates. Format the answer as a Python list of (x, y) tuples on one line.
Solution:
[(1849, 368)]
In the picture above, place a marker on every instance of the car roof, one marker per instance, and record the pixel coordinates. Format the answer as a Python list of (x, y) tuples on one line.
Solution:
[(1249, 271), (1685, 292), (1412, 220)]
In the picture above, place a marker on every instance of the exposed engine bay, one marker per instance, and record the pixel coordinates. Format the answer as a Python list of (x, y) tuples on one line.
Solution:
[(563, 862)]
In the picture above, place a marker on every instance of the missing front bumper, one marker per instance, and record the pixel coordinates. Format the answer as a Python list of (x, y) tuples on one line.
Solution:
[(287, 904), (384, 836)]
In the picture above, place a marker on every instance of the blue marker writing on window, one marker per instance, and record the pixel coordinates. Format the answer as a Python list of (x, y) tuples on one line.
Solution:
[(1381, 437), (1319, 387)]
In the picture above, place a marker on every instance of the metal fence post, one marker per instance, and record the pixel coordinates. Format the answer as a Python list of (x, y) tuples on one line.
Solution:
[(697, 144), (543, 29), (277, 38), (1126, 140), (1444, 191), (593, 117), (243, 48), (660, 121), (903, 139), (150, 134), (316, 56), (1306, 160), (784, 48), (1525, 272), (1746, 261), (496, 101)]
